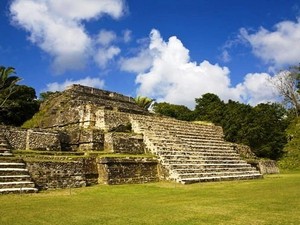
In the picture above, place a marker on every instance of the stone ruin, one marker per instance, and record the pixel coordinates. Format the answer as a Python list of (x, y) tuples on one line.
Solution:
[(85, 136)]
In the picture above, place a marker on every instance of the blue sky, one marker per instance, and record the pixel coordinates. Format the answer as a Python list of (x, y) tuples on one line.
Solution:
[(172, 51)]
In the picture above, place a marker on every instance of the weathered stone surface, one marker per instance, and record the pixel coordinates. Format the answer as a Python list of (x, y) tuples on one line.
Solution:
[(84, 107), (127, 170), (33, 139), (64, 174), (266, 166), (244, 151), (128, 143), (83, 139)]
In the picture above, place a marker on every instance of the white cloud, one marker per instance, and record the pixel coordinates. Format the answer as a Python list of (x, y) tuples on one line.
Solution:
[(127, 35), (139, 63), (105, 37), (88, 81), (257, 88), (171, 76), (278, 47), (225, 57), (106, 54), (57, 27)]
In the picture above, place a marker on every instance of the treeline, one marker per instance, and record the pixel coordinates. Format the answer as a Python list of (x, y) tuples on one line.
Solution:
[(261, 127)]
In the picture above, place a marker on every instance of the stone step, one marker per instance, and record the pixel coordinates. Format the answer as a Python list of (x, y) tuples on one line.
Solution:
[(202, 161), (199, 136), (206, 147), (211, 170), (18, 190), (166, 151), (10, 159), (13, 171), (211, 144), (17, 184), (214, 157), (201, 131), (6, 154), (207, 165), (214, 174), (221, 178), (5, 151), (12, 165), (204, 141), (11, 178), (3, 144)]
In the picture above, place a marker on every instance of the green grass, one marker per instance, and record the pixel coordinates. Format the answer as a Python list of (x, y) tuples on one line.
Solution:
[(273, 200)]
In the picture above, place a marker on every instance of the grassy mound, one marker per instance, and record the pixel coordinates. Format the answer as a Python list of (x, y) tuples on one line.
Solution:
[(291, 159)]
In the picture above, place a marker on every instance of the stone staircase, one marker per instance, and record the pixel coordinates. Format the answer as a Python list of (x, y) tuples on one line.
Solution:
[(14, 177), (192, 152)]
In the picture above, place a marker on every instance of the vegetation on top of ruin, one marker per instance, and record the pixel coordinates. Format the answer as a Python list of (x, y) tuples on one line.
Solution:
[(43, 118), (143, 102), (66, 156), (291, 159)]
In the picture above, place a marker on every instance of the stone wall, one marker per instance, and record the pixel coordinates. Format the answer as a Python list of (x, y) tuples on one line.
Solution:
[(128, 143), (114, 119), (83, 139), (63, 174), (33, 139), (100, 93), (244, 151), (265, 166), (127, 171)]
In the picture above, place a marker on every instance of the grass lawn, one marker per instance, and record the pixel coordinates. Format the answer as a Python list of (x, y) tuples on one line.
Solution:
[(273, 200)]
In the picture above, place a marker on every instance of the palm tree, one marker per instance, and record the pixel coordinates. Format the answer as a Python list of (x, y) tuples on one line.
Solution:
[(7, 83), (143, 102)]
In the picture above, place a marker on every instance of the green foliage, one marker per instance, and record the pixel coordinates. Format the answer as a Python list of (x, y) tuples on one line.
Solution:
[(291, 159), (19, 107), (143, 102), (209, 108), (7, 83), (179, 112), (261, 127), (266, 133), (235, 122), (273, 200), (47, 95)]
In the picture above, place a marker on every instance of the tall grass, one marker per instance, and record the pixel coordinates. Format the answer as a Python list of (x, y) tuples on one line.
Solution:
[(273, 200)]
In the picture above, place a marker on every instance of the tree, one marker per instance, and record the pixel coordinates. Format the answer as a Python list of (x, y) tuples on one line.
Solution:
[(179, 112), (144, 102), (209, 108), (266, 132), (235, 121), (287, 84), (19, 107), (7, 83), (46, 95), (261, 127)]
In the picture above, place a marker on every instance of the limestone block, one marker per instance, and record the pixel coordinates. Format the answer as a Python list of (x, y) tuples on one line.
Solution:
[(128, 143), (127, 170), (43, 140), (53, 174)]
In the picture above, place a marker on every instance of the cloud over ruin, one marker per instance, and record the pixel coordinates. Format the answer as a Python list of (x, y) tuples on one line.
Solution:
[(58, 28), (169, 75)]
